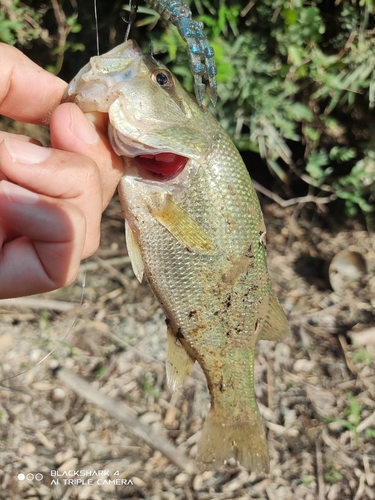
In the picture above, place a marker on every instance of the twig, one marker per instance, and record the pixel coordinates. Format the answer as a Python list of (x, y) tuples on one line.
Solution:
[(332, 310), (63, 30), (366, 423), (312, 182), (270, 494), (361, 487), (127, 416), (113, 272), (33, 303), (293, 201), (344, 347), (122, 343), (369, 475), (319, 469), (270, 387), (115, 261), (246, 9)]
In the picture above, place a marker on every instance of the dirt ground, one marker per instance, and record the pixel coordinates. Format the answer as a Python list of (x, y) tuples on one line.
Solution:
[(316, 389)]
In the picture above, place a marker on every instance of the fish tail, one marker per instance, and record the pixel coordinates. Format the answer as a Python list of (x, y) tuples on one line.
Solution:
[(221, 440)]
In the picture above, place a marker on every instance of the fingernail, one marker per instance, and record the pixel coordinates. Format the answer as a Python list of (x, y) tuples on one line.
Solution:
[(81, 126), (25, 152), (18, 194)]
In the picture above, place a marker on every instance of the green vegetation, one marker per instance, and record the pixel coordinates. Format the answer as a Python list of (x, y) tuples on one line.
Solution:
[(353, 418), (44, 320), (307, 480), (19, 23), (362, 355), (148, 387), (304, 73), (333, 476), (296, 79), (100, 371), (45, 25)]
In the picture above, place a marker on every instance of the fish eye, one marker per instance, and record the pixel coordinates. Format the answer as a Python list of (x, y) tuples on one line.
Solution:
[(163, 78)]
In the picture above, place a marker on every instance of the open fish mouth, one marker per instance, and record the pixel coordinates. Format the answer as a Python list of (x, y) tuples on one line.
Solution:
[(154, 161), (164, 165)]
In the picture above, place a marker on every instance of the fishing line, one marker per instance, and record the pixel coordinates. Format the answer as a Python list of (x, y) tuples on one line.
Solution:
[(133, 8), (96, 28), (152, 49)]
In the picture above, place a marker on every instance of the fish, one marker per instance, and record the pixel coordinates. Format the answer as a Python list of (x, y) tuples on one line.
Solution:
[(194, 228)]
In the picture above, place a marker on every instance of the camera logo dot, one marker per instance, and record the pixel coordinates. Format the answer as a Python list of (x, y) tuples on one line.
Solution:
[(30, 477)]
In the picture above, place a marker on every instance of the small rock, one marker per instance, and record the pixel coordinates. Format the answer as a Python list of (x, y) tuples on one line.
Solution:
[(6, 343), (150, 417), (182, 478), (304, 365), (345, 270), (139, 482), (57, 395), (27, 449), (197, 482)]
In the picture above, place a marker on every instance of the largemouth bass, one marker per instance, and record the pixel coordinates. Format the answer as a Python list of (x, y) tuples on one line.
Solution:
[(194, 228)]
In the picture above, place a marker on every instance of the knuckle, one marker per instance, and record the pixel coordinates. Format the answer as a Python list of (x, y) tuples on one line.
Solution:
[(91, 174), (92, 247)]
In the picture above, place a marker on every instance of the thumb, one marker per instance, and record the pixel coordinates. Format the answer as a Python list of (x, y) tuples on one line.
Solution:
[(72, 131)]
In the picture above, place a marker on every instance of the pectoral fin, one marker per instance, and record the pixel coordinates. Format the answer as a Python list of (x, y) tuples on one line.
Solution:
[(183, 227), (134, 252), (276, 326), (178, 361)]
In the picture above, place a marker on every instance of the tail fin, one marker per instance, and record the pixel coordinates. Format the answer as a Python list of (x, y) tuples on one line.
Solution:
[(221, 440)]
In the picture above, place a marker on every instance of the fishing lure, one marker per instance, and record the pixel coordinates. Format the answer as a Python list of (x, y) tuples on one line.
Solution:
[(200, 52)]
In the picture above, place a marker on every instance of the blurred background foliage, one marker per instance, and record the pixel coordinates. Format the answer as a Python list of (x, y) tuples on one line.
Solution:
[(296, 79)]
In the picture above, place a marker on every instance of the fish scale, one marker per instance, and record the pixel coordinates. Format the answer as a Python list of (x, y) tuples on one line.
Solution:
[(197, 236)]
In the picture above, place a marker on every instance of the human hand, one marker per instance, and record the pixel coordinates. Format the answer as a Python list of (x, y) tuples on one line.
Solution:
[(51, 199)]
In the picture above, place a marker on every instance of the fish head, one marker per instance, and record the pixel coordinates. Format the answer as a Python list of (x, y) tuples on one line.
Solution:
[(152, 118)]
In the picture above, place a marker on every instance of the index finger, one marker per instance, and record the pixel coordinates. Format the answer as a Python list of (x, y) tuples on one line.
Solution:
[(28, 93)]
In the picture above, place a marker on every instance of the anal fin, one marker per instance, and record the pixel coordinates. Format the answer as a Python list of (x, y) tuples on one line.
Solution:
[(178, 362), (276, 325)]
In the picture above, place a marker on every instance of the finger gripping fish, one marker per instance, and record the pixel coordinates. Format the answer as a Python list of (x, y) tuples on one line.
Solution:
[(195, 229)]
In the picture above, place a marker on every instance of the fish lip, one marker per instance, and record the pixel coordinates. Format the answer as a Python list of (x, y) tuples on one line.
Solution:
[(129, 142), (132, 151)]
